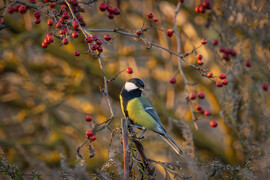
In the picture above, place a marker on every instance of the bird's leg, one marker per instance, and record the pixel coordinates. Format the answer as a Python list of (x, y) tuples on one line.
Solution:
[(139, 127), (140, 137)]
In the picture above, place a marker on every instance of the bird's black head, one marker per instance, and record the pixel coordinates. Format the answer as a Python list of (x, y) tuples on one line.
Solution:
[(134, 84)]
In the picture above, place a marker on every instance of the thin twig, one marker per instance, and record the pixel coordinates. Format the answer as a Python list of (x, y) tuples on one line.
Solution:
[(124, 126)]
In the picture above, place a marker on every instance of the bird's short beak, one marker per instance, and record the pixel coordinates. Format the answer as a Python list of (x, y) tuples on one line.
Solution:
[(141, 89)]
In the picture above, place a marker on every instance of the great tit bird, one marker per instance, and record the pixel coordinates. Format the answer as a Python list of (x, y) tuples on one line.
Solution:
[(138, 109)]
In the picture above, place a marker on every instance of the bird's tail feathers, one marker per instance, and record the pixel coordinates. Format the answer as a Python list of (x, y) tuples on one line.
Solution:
[(172, 143)]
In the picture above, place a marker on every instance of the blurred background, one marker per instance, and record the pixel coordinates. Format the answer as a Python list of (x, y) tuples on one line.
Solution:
[(45, 94)]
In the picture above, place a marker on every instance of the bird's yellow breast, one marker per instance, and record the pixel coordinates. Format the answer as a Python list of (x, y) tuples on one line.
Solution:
[(139, 116)]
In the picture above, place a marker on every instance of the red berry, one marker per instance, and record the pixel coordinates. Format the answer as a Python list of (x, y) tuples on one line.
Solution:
[(44, 45), (170, 32), (99, 42), (248, 63), (265, 87), (219, 84), (150, 15), (110, 9), (88, 118), (226, 57), (63, 7), (88, 39), (22, 9), (110, 15), (93, 138), (75, 9), (201, 111), (204, 41), (222, 49), (173, 80), (95, 37), (213, 124), (201, 9), (89, 133), (215, 42), (94, 47), (139, 32), (222, 76), (224, 82), (80, 18), (116, 11), (100, 49), (74, 3), (52, 5), (233, 53), (155, 19), (227, 50), (199, 56), (11, 10), (103, 6), (77, 53), (50, 22), (75, 34), (107, 37), (75, 25), (83, 23), (65, 41), (65, 15), (200, 62), (201, 95), (37, 14), (181, 1), (197, 9), (129, 70), (59, 25), (49, 38), (207, 112), (209, 74), (199, 107), (37, 21), (32, 1), (64, 31), (192, 96)]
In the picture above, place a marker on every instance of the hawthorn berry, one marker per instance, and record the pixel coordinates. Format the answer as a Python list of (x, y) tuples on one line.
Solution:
[(170, 32), (225, 82), (199, 56), (116, 11), (22, 9), (83, 23), (265, 87), (59, 25), (75, 25), (110, 15), (219, 84), (88, 39), (107, 37), (64, 31), (89, 133), (99, 42), (209, 74), (37, 21), (233, 52), (213, 124), (103, 6), (139, 32), (37, 14), (50, 22), (94, 47), (227, 50), (50, 38), (93, 137), (155, 19), (32, 1), (197, 9), (222, 49), (88, 118), (95, 37), (181, 1), (44, 45), (110, 9), (75, 9), (65, 15), (222, 76), (10, 10), (100, 49), (199, 107), (201, 111), (173, 80), (192, 96), (74, 3), (200, 62), (215, 42), (63, 7), (77, 53), (150, 15), (75, 34), (207, 112), (248, 63), (201, 95), (129, 70), (226, 57), (65, 41), (52, 4), (204, 41), (201, 9)]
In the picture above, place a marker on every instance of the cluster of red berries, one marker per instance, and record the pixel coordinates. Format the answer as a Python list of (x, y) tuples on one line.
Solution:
[(192, 96), (224, 80), (47, 40), (89, 133), (203, 6), (199, 58), (226, 52), (18, 8), (112, 11)]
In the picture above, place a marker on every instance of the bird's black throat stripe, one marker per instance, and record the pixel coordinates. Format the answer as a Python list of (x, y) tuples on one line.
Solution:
[(127, 96)]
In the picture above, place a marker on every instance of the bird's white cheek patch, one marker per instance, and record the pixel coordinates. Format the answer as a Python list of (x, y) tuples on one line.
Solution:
[(130, 86)]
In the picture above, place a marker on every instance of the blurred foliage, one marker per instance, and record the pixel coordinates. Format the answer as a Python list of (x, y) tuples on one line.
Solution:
[(46, 93)]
